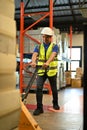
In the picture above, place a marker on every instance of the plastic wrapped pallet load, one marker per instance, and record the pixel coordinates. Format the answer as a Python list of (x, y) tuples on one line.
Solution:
[(7, 26), (10, 120), (7, 63), (7, 82), (7, 35), (7, 8), (9, 109), (7, 44), (9, 101)]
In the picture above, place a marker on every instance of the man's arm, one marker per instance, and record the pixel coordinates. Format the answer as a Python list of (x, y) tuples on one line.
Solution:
[(34, 58), (51, 58)]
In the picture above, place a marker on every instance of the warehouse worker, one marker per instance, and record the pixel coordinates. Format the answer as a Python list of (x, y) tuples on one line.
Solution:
[(47, 56)]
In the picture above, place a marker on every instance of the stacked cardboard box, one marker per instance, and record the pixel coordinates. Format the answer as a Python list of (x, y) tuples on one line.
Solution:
[(77, 81), (68, 77), (9, 96), (79, 73)]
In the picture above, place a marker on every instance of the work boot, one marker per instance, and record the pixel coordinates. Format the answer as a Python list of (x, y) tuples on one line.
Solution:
[(38, 111), (56, 107)]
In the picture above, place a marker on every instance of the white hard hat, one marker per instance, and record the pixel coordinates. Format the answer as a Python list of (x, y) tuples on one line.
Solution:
[(47, 31)]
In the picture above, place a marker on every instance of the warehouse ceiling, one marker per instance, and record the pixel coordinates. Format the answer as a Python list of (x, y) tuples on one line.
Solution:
[(65, 14)]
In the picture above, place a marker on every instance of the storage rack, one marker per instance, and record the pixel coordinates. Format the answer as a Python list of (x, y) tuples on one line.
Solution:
[(22, 32)]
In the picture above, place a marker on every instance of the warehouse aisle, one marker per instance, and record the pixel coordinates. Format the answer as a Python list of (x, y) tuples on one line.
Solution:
[(69, 117)]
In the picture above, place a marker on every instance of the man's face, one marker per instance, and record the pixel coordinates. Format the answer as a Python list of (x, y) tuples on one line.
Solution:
[(47, 39)]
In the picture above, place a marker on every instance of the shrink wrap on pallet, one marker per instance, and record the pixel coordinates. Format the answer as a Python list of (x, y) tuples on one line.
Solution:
[(7, 63), (10, 120), (9, 101), (7, 44), (7, 26), (7, 8), (10, 106), (7, 82)]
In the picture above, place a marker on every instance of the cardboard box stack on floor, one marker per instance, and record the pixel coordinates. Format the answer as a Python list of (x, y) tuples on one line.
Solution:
[(68, 77), (77, 81), (10, 107), (79, 73)]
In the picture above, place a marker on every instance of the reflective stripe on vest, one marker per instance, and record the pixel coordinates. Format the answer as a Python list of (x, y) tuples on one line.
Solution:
[(41, 59)]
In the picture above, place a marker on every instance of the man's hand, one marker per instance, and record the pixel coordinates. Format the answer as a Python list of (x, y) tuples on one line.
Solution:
[(51, 58), (33, 64), (45, 65)]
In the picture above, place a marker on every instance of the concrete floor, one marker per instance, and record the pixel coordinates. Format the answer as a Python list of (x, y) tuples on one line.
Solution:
[(69, 117)]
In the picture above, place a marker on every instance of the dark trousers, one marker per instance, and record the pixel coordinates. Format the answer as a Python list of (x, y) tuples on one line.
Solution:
[(39, 92)]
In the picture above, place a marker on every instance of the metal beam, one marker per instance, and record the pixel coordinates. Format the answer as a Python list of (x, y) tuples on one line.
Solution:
[(47, 6)]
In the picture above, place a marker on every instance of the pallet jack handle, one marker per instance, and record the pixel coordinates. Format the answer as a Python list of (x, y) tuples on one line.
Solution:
[(26, 91)]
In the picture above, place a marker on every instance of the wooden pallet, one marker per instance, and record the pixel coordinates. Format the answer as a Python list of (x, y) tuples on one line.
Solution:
[(27, 122)]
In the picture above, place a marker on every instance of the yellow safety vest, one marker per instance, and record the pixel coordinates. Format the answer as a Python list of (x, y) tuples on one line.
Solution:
[(44, 57)]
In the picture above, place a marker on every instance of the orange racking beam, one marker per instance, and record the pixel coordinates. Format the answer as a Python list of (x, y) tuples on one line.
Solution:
[(32, 38), (51, 14), (35, 13), (21, 44), (36, 22)]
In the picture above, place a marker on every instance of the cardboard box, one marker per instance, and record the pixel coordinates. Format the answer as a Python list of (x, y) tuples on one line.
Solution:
[(9, 101), (7, 8), (68, 74), (78, 76), (79, 71), (7, 26), (68, 80), (7, 63), (7, 81), (7, 44), (76, 83)]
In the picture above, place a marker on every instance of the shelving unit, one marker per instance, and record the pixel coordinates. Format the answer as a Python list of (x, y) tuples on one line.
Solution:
[(23, 32)]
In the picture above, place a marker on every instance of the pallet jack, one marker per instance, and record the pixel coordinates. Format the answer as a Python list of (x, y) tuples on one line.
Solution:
[(27, 122), (29, 69)]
